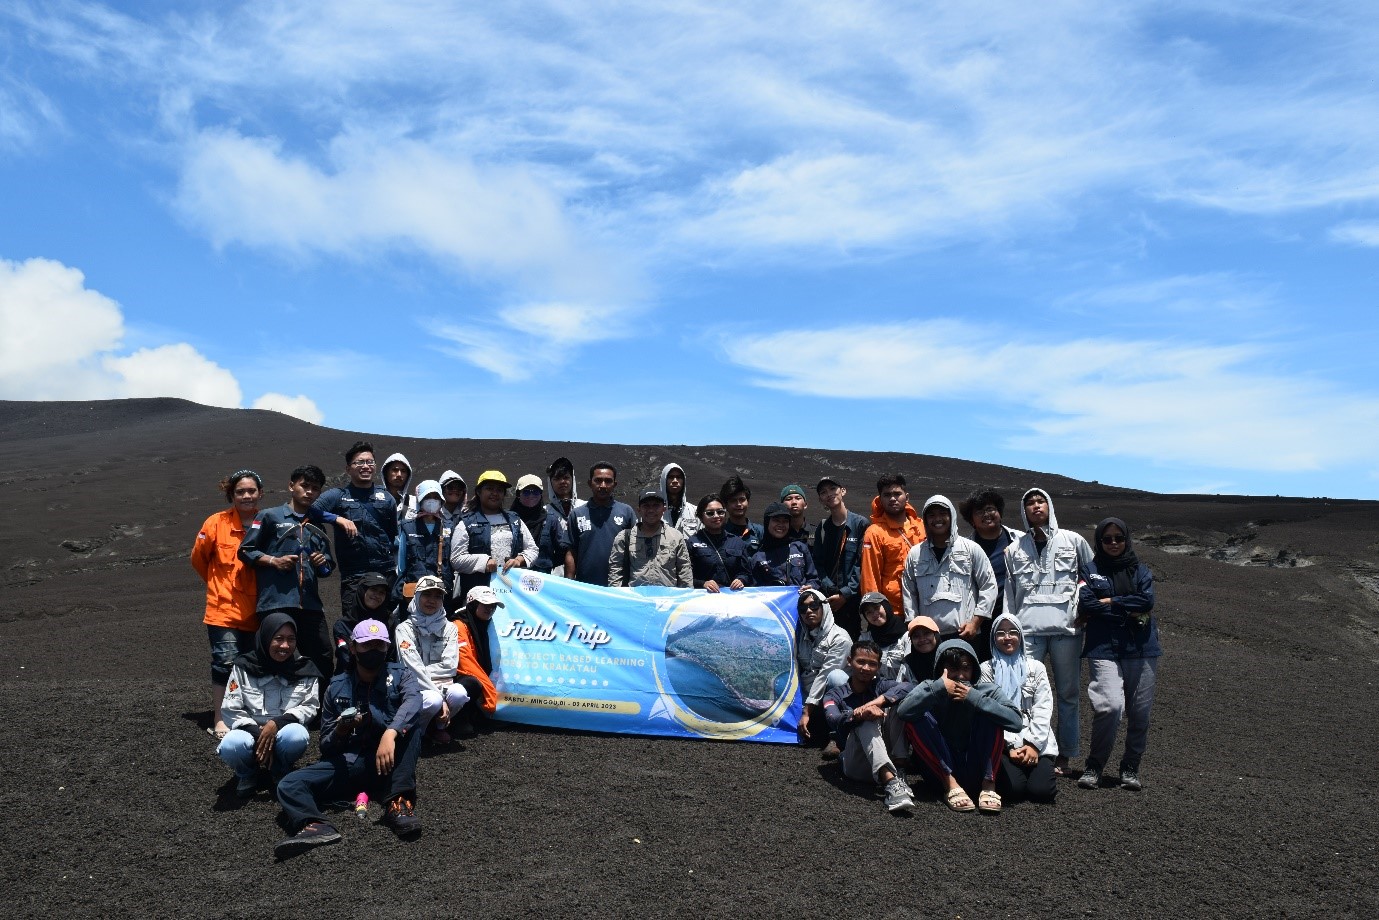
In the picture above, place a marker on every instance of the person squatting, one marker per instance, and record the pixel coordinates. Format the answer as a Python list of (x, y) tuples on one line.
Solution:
[(959, 657)]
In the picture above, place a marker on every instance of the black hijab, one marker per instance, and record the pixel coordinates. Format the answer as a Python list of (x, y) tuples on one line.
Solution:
[(888, 633), (1119, 569), (259, 663), (478, 634), (534, 518)]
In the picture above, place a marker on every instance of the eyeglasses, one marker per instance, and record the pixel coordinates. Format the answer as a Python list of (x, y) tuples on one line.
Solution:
[(1112, 538), (1006, 634), (363, 463), (719, 513), (988, 511)]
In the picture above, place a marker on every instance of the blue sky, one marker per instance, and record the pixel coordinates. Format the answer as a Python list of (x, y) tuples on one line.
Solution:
[(1130, 242)]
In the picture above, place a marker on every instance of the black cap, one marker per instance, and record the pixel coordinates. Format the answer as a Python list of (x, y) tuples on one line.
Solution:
[(650, 494), (827, 480), (775, 509)]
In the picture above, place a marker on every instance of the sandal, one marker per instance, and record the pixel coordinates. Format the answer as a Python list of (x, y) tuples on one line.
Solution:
[(989, 802), (959, 800), (217, 734), (1066, 770)]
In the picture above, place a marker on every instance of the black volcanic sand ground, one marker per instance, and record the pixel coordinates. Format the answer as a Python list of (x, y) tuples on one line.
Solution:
[(1259, 797)]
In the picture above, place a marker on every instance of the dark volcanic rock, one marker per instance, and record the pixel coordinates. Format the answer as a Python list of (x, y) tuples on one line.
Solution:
[(1257, 800)]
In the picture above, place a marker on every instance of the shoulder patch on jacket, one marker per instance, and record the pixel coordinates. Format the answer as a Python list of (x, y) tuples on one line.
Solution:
[(404, 644), (234, 685)]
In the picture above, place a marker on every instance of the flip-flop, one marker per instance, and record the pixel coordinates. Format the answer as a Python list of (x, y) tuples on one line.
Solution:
[(959, 800), (1067, 772)]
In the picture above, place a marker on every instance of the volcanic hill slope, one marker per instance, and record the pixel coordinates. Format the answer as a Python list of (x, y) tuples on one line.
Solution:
[(1259, 797)]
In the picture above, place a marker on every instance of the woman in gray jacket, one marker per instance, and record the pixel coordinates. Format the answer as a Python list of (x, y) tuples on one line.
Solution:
[(272, 693)]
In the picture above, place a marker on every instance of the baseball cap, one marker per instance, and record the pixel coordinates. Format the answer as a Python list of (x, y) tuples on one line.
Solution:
[(370, 631), (430, 583), (484, 595)]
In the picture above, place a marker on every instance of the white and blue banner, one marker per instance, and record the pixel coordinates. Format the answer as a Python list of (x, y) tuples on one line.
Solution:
[(646, 661)]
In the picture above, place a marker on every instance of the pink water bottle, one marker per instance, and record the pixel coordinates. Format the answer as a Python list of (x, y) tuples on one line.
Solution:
[(361, 806)]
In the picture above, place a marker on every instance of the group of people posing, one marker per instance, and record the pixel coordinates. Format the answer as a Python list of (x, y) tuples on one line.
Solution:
[(913, 642)]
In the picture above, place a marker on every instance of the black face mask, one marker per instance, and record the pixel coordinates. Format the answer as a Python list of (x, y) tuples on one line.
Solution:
[(372, 660)]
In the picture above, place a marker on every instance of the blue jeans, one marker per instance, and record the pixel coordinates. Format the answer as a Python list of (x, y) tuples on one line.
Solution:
[(226, 645), (237, 750), (1065, 658)]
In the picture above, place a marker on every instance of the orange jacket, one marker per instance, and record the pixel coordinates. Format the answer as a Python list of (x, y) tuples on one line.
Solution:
[(469, 664), (884, 548), (231, 587)]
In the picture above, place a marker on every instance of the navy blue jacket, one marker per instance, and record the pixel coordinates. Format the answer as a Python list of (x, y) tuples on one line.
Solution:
[(838, 555), (281, 532), (553, 541), (751, 535), (374, 512), (1112, 631), (720, 561), (481, 542), (423, 551), (392, 701), (781, 563)]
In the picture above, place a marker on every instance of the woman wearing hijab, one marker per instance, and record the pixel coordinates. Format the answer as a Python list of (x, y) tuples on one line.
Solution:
[(428, 644), (1027, 767), (476, 659), (923, 641), (372, 600), (885, 627), (550, 531), (271, 695), (1121, 646)]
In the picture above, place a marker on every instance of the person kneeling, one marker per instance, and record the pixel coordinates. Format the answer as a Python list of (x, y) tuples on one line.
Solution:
[(368, 743), (271, 694), (865, 727), (428, 643), (955, 728)]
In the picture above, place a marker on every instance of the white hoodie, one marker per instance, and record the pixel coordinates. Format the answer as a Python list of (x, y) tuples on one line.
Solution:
[(1041, 587), (954, 589)]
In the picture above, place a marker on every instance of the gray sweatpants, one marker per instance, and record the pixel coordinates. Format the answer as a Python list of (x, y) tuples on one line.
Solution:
[(1121, 688), (869, 747)]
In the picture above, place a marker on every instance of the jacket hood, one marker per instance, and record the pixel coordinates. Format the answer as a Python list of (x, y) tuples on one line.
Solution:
[(450, 476), (396, 458), (952, 511), (826, 623), (433, 625), (1053, 517), (574, 482), (428, 487), (961, 646), (665, 474), (879, 516)]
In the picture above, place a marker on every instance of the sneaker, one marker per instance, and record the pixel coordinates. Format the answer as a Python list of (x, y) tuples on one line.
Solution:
[(463, 727), (246, 787), (440, 736), (314, 834), (1091, 776), (398, 818), (831, 751), (898, 796), (1130, 779)]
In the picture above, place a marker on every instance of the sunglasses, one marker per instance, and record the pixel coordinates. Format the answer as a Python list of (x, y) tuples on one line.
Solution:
[(1110, 538), (719, 513)]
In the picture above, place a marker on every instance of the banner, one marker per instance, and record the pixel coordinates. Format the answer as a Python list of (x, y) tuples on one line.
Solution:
[(646, 661)]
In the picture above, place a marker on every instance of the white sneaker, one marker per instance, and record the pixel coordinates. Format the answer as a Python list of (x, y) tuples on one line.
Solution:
[(898, 796)]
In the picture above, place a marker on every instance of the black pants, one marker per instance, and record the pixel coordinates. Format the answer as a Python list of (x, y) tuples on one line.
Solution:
[(338, 778), (1017, 783)]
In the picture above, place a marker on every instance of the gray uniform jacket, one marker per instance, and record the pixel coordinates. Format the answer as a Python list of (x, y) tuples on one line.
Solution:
[(253, 701), (662, 559)]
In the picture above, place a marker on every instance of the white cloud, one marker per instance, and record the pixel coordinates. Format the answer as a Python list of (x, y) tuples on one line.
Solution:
[(25, 114), (302, 407), (1159, 401), (1209, 293), (522, 341), (174, 370), (62, 341), (1357, 233), (693, 130)]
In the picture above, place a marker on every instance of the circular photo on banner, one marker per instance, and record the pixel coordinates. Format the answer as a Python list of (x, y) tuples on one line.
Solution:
[(729, 667)]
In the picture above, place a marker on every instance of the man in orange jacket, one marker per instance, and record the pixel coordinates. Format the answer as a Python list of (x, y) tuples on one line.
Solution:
[(895, 528)]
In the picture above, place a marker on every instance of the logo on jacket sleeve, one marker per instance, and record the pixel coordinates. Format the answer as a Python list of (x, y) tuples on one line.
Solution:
[(234, 685), (405, 644)]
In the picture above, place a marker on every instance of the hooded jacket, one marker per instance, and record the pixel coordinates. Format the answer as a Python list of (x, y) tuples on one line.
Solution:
[(685, 521), (1042, 586), (955, 717), (422, 545), (429, 646), (407, 504), (556, 504), (884, 548), (892, 653), (951, 590), (1126, 627), (451, 518), (1035, 694), (819, 651), (661, 559)]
